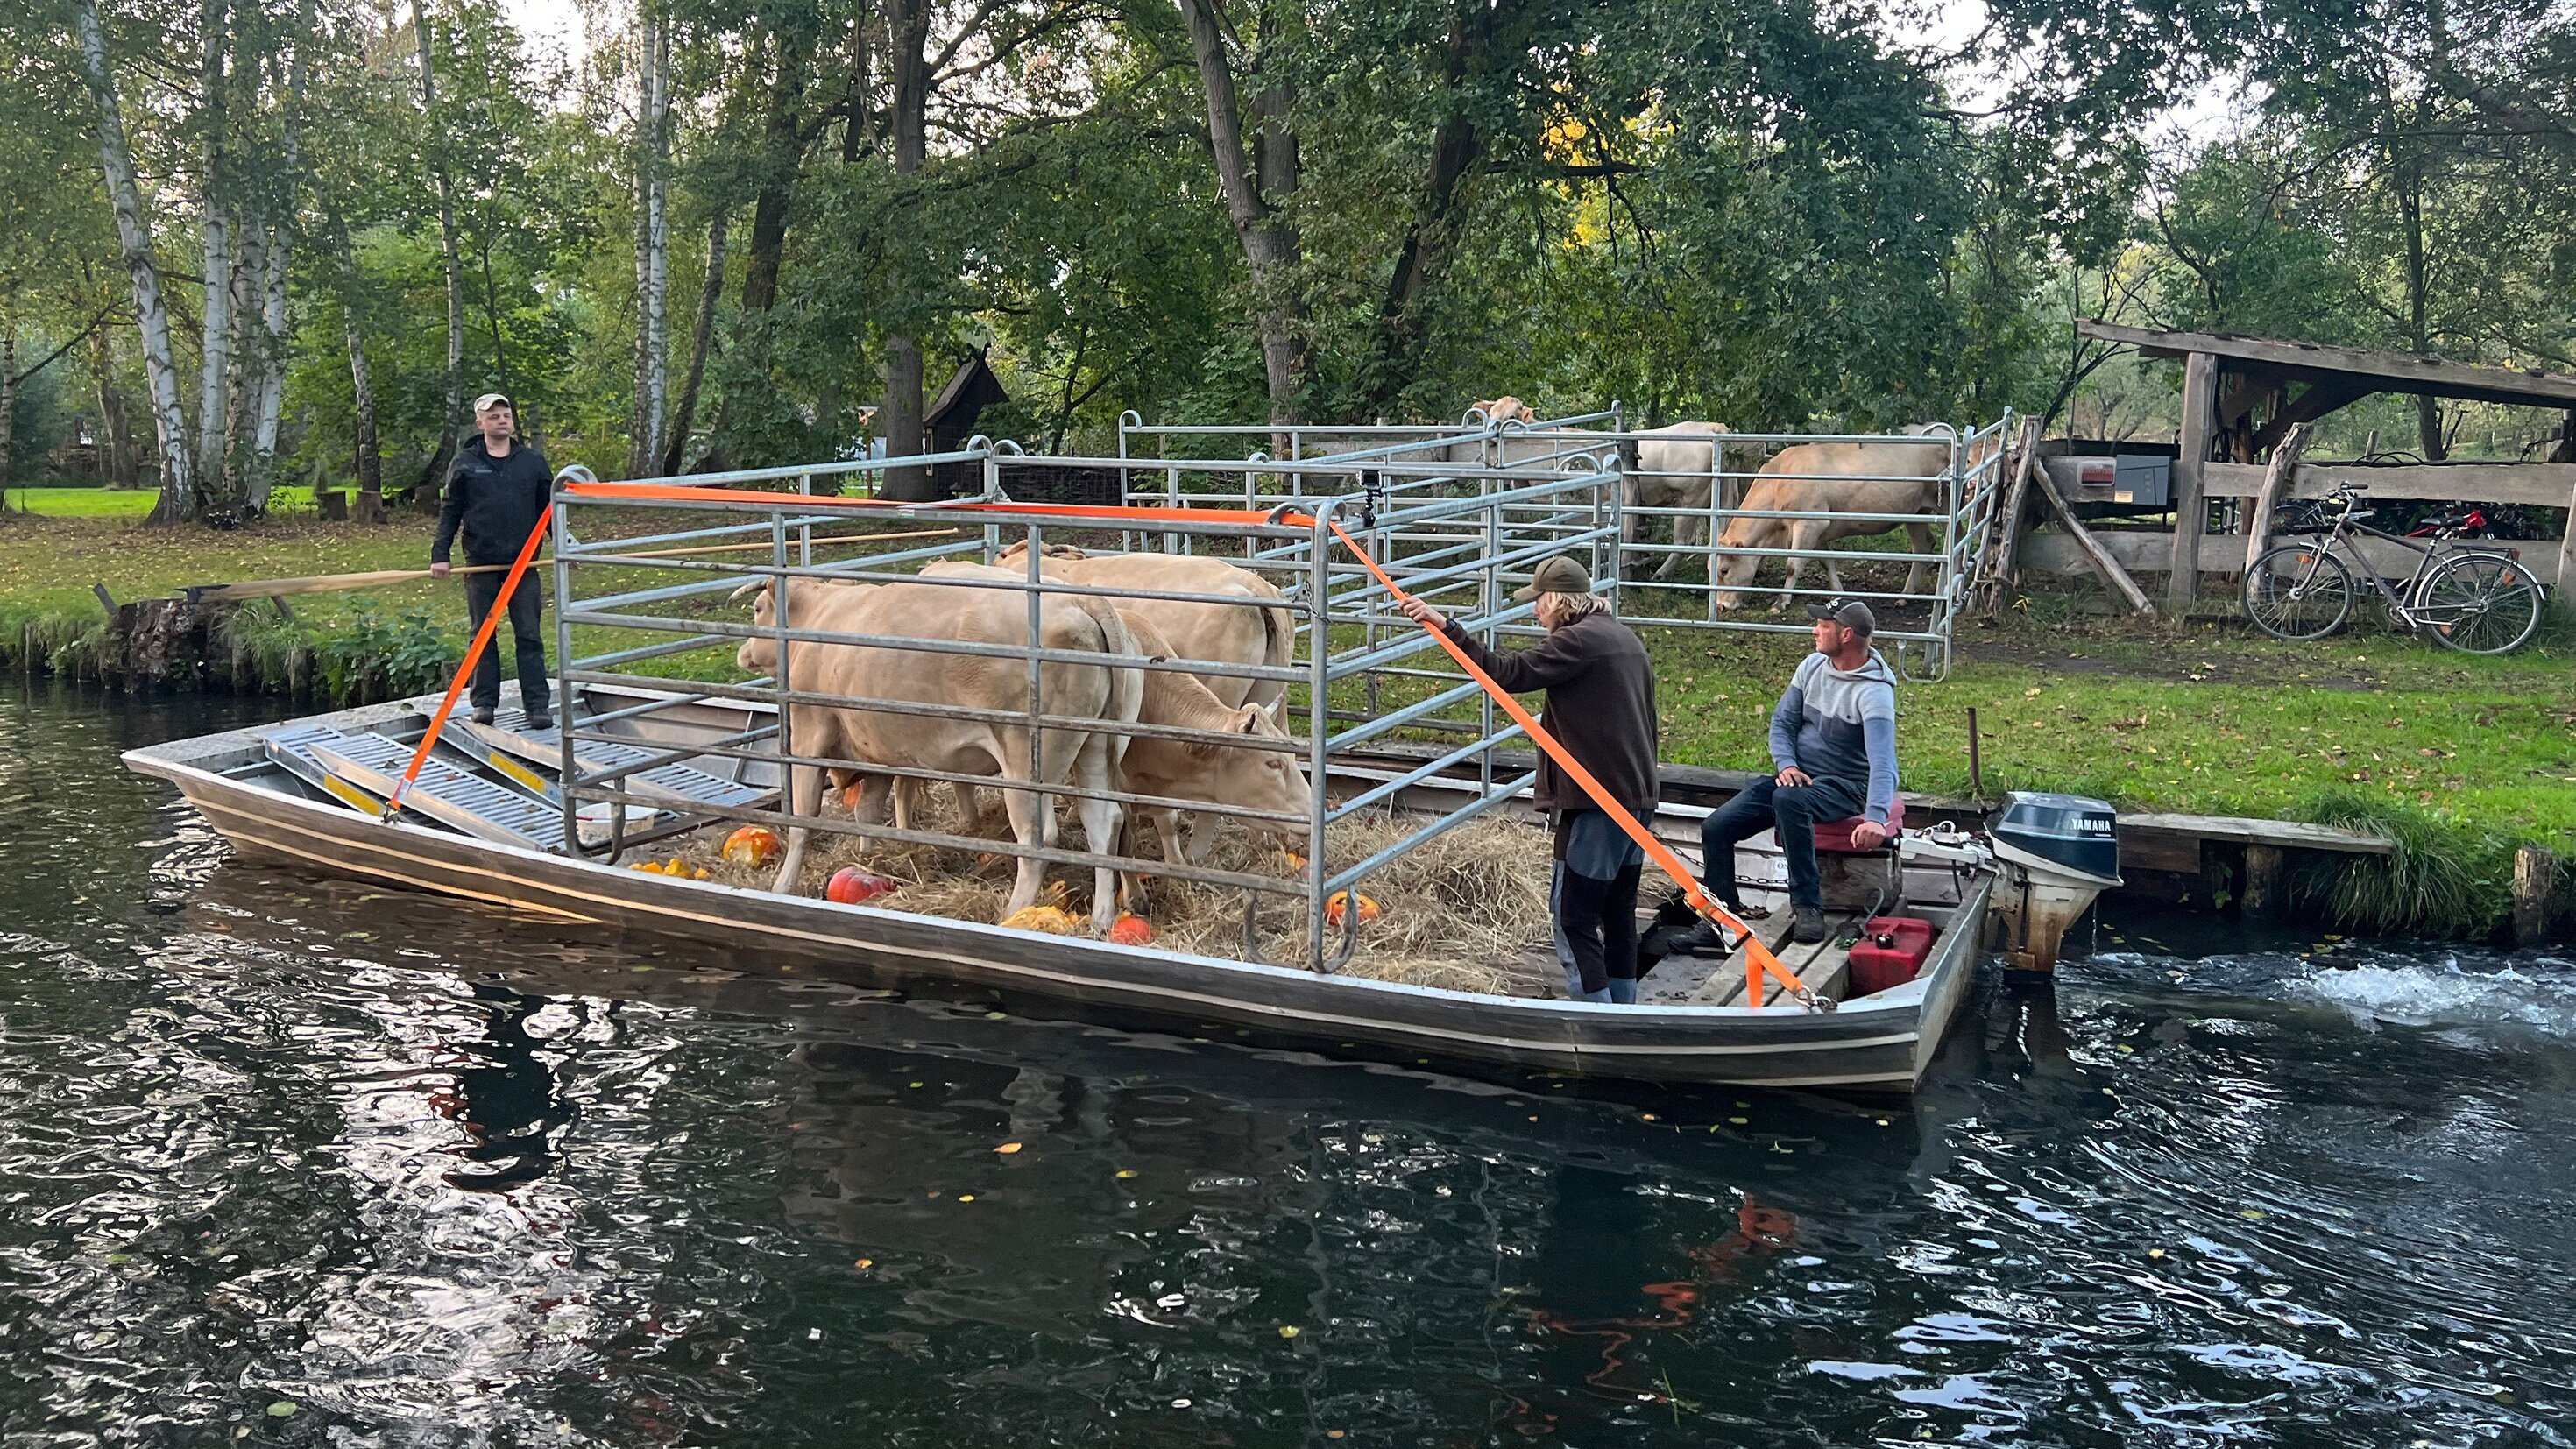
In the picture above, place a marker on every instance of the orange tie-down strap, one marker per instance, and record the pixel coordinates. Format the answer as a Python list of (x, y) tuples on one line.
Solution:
[(1758, 957), (683, 493)]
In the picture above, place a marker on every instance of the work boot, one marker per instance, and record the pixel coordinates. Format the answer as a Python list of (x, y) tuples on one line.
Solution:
[(540, 721), (482, 714), (1810, 927), (1705, 939)]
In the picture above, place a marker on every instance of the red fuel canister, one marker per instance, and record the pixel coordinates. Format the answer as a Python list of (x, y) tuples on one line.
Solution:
[(1890, 951)]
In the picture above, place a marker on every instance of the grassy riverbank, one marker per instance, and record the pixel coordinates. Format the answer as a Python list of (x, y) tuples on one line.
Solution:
[(2461, 758)]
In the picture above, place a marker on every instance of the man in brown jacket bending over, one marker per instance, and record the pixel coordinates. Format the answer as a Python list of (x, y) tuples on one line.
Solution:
[(1601, 707)]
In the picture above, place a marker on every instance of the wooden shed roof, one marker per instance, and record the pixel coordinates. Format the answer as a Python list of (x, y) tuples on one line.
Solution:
[(2349, 370)]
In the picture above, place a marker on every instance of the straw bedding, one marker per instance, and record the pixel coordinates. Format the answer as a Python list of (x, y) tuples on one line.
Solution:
[(1466, 910)]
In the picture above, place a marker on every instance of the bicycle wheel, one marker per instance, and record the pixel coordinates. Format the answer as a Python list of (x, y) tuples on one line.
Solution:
[(2298, 591), (2480, 603)]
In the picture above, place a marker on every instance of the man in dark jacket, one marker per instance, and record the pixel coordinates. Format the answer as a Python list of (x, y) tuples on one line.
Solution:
[(495, 495), (1601, 707), (1833, 738)]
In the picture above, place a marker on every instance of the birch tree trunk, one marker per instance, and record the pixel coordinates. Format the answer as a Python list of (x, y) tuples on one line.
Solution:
[(362, 389), (653, 255), (272, 310), (214, 358), (452, 419), (1269, 240), (178, 499), (700, 334)]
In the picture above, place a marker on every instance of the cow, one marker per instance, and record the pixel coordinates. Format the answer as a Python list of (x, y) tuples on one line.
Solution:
[(1675, 465), (1085, 759), (1216, 703), (1210, 633), (1883, 475), (1505, 409), (1254, 779)]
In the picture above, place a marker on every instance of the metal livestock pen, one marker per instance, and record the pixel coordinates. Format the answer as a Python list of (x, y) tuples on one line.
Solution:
[(1358, 676), (1956, 511)]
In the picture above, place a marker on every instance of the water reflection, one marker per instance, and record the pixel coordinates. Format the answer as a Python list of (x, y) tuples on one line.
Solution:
[(421, 1175)]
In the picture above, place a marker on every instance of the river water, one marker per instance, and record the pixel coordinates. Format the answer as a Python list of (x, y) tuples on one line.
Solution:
[(287, 1160)]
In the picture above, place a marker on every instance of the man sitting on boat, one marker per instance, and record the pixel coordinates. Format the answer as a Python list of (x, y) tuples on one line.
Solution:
[(1601, 707), (1833, 737)]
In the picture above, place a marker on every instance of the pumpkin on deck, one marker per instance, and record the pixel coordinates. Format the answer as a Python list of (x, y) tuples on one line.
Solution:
[(1054, 920), (850, 886), (1338, 905), (752, 845)]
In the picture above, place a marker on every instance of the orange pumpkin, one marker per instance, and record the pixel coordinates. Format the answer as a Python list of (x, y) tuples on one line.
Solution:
[(1054, 920), (1338, 905), (752, 845), (851, 886), (1130, 930)]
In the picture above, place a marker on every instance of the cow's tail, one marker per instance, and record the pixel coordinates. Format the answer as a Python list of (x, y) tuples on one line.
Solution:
[(1126, 686), (1279, 647)]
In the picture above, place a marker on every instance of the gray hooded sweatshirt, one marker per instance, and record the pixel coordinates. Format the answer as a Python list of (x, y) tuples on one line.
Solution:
[(1840, 724)]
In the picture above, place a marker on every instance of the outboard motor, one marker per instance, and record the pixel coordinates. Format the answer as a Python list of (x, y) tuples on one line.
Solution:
[(2057, 853)]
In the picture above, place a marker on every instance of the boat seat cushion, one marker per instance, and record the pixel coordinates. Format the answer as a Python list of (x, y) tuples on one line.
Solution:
[(1837, 835)]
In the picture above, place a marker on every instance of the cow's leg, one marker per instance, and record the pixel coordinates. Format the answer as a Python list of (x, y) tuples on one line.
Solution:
[(1918, 537), (1033, 826), (1203, 833), (1101, 822), (1797, 539), (876, 792), (1688, 529), (813, 739)]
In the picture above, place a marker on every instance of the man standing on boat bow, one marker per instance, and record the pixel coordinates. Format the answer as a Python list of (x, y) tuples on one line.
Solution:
[(495, 495), (1833, 737), (1601, 707)]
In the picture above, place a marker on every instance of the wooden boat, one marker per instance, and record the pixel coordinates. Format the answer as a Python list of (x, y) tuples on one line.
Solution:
[(482, 827)]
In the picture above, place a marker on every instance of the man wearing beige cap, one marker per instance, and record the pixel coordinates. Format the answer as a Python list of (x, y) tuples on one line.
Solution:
[(1601, 707), (495, 495)]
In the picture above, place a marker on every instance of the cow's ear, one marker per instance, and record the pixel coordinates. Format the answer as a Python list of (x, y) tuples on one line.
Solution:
[(1247, 720)]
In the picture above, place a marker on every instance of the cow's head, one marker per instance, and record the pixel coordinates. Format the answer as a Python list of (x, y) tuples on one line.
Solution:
[(1256, 779), (1735, 571), (757, 654), (1053, 550), (1507, 409)]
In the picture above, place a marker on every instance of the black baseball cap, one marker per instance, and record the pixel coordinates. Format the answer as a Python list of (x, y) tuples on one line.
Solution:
[(1852, 614)]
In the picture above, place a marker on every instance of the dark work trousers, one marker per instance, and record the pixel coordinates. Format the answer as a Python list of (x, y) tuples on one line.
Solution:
[(1596, 933), (528, 643), (1792, 814)]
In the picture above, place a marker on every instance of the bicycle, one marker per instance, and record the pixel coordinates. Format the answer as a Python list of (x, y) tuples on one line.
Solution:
[(2476, 600)]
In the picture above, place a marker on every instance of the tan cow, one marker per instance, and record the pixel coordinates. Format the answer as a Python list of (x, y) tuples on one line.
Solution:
[(1088, 760), (1180, 769), (1251, 779), (1209, 633), (1890, 475), (1505, 409)]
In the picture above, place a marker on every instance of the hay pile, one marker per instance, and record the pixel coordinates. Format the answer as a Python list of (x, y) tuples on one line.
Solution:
[(1466, 911)]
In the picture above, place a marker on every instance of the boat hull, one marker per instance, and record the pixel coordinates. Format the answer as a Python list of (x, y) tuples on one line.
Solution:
[(1881, 1043)]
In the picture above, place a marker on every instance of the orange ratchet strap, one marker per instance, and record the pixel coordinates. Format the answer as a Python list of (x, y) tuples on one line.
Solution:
[(465, 670)]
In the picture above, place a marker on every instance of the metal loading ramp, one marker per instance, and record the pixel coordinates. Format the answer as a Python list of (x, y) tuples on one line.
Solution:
[(508, 734), (361, 770)]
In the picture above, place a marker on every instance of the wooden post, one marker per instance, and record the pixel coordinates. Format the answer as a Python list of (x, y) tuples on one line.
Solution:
[(2262, 894), (2276, 480), (2094, 553), (2191, 481), (2000, 574), (2535, 871)]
